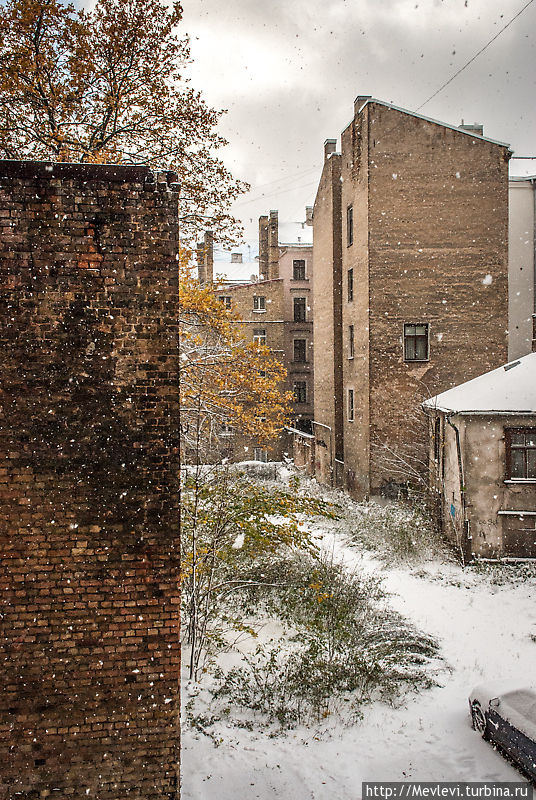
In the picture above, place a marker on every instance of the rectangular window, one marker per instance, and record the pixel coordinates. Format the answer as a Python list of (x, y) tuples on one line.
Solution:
[(298, 270), (259, 336), (226, 302), (259, 303), (226, 430), (260, 454), (300, 391), (299, 309), (350, 405), (350, 285), (520, 453), (349, 225), (416, 342), (300, 350), (350, 341)]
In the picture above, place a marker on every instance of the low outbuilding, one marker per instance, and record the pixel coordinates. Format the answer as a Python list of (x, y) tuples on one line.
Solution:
[(483, 461)]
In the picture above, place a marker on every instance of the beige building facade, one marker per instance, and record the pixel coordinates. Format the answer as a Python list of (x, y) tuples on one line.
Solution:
[(411, 284), (276, 309)]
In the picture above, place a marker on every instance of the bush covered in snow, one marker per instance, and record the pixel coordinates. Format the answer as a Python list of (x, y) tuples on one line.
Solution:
[(343, 646)]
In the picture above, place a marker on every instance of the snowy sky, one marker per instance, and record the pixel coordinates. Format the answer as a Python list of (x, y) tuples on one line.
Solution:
[(287, 71)]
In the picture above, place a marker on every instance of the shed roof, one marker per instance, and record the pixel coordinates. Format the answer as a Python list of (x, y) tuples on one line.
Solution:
[(508, 389)]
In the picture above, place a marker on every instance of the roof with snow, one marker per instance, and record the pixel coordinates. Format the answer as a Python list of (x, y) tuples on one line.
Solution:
[(239, 272), (430, 119), (295, 233), (508, 389)]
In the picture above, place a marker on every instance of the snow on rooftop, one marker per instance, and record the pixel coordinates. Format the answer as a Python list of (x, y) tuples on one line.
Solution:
[(295, 233), (510, 388), (236, 272)]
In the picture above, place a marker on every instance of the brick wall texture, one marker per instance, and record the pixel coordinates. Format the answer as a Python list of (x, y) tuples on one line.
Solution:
[(89, 642)]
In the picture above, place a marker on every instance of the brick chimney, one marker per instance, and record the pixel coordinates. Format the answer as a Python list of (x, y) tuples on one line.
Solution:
[(263, 248), (273, 246), (236, 258), (476, 127), (308, 215), (360, 100), (330, 146), (205, 259)]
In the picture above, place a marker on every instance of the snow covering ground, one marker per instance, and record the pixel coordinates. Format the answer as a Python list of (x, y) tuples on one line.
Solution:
[(485, 630)]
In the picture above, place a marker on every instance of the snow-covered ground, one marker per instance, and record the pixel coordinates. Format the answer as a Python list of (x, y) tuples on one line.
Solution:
[(485, 630)]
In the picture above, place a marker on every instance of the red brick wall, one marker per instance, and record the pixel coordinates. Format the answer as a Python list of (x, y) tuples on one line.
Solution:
[(89, 642)]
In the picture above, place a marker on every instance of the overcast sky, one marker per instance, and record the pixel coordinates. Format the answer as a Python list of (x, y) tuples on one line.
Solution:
[(287, 71)]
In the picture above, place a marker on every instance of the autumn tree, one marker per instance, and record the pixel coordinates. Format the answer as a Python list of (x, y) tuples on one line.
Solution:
[(108, 85), (224, 380)]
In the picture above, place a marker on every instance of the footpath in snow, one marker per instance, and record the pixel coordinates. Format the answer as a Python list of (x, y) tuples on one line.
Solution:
[(486, 631)]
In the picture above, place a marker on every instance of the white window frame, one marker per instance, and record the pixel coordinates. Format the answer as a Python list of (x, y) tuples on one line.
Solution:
[(259, 303)]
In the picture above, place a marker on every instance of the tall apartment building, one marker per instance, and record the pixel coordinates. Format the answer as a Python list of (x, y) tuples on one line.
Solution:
[(410, 285), (522, 267), (276, 309)]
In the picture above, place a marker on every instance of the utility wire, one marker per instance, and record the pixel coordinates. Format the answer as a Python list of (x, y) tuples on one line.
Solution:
[(475, 56)]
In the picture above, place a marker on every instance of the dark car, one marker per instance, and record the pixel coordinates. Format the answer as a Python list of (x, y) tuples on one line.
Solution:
[(507, 716)]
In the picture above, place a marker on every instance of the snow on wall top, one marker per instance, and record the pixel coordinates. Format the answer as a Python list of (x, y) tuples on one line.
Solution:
[(510, 388)]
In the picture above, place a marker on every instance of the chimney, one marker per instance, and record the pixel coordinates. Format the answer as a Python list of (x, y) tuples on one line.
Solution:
[(263, 248), (308, 215), (273, 246), (236, 258), (330, 145), (360, 100), (476, 127), (205, 259)]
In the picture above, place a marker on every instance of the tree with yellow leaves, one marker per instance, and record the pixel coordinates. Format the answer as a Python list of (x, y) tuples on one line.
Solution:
[(108, 85), (224, 380)]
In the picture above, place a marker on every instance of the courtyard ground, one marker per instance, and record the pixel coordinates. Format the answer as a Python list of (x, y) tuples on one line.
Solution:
[(485, 622)]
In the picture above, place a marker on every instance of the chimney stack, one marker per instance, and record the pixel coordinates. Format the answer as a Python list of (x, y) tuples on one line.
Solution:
[(308, 215), (263, 248), (236, 258), (205, 259), (360, 100), (330, 145), (273, 246), (476, 127)]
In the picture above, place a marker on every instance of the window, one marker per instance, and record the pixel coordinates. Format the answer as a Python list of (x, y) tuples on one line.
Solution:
[(300, 350), (300, 391), (226, 430), (226, 302), (298, 270), (349, 225), (350, 341), (437, 439), (416, 342), (350, 405), (299, 309), (259, 336), (259, 454), (350, 285), (259, 303), (520, 453)]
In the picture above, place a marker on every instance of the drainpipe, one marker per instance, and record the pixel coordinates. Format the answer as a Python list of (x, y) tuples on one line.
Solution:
[(461, 475)]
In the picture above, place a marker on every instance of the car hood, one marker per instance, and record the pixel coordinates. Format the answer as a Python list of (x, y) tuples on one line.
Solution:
[(485, 692)]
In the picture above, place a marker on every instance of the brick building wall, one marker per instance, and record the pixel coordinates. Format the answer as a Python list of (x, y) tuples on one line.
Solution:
[(269, 306), (423, 226), (327, 294), (89, 482)]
